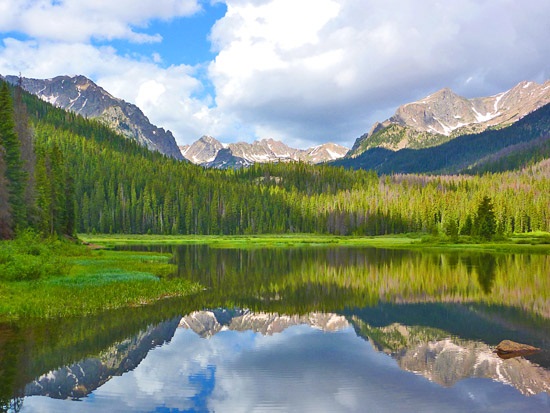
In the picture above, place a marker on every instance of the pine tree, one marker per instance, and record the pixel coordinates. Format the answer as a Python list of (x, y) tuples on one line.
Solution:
[(28, 156), (6, 222), (15, 173), (485, 223)]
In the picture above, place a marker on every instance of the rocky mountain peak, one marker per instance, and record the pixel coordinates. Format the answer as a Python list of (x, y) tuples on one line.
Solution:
[(81, 95), (209, 152), (203, 150), (444, 114)]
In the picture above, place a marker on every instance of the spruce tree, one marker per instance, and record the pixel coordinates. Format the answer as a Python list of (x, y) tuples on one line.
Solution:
[(485, 224), (6, 222), (28, 156), (15, 174)]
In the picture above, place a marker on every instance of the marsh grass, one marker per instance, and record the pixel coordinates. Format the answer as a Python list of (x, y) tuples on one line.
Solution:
[(537, 242), (53, 278)]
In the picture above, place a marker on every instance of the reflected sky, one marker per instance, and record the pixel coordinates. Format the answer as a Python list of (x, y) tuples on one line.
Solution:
[(301, 369)]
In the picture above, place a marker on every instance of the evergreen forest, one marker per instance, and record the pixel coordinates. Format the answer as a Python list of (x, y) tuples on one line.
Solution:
[(62, 174)]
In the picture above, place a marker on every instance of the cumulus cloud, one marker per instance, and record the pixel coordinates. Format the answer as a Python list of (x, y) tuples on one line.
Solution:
[(319, 70), (164, 94), (305, 72), (82, 20)]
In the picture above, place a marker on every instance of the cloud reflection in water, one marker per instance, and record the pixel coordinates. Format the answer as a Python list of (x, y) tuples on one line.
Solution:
[(301, 369)]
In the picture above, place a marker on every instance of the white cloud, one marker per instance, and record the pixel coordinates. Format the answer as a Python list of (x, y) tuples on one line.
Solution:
[(165, 95), (306, 71), (82, 20), (315, 71)]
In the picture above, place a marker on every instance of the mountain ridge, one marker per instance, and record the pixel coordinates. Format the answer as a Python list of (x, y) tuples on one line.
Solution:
[(513, 147), (210, 152), (445, 115), (81, 95)]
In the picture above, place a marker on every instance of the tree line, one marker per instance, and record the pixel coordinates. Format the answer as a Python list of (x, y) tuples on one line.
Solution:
[(77, 175), (35, 184)]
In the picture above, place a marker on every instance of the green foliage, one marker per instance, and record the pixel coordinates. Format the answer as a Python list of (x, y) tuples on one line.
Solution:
[(451, 230), (485, 225), (31, 257), (72, 280), (10, 147), (89, 179)]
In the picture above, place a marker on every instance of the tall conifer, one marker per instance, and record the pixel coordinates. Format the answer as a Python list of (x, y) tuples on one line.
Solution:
[(6, 222), (15, 173), (28, 156)]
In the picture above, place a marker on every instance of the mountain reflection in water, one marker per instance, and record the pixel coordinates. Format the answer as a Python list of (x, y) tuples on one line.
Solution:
[(237, 360), (304, 329)]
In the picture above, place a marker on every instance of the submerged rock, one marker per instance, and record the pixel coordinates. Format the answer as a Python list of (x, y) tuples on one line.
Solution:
[(508, 349)]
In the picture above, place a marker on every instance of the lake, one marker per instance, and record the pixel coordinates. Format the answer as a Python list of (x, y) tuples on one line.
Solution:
[(305, 329)]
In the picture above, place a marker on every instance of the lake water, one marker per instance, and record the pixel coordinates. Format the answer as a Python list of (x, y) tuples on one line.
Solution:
[(314, 329)]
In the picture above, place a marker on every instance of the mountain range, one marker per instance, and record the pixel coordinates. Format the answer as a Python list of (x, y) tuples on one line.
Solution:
[(209, 152), (80, 95), (445, 115), (441, 133)]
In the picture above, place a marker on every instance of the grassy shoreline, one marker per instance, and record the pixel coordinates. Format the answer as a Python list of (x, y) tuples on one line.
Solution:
[(72, 280), (52, 278), (532, 242)]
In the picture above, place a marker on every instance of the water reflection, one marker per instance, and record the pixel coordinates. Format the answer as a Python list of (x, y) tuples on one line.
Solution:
[(80, 379), (240, 361), (395, 318), (312, 279)]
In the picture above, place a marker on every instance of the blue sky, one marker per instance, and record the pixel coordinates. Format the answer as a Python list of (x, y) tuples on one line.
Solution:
[(301, 71), (184, 40)]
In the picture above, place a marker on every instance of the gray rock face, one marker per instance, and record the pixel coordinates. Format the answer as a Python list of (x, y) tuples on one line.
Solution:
[(202, 151), (209, 152), (444, 115), (80, 95)]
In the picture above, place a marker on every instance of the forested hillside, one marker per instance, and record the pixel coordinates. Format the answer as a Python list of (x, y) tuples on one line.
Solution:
[(523, 143), (88, 179)]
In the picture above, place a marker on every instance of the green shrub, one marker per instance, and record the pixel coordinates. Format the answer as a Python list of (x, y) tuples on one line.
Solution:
[(31, 256)]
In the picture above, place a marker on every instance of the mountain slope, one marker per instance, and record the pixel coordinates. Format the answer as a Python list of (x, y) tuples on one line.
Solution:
[(445, 115), (82, 96), (513, 147), (209, 152)]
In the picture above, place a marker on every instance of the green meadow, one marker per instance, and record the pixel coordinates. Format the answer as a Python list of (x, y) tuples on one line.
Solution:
[(528, 242), (45, 278)]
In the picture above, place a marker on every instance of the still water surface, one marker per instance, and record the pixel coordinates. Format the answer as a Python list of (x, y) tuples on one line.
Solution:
[(301, 330)]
